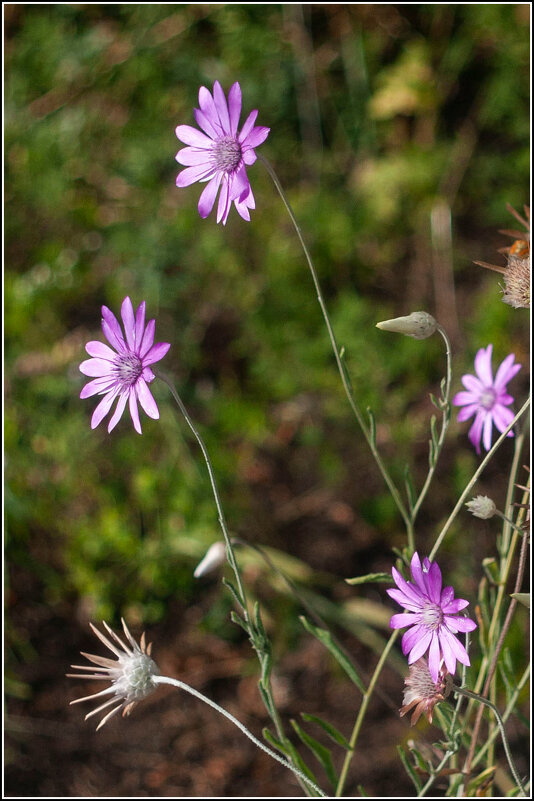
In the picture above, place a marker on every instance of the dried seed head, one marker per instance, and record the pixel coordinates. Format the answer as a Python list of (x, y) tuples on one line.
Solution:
[(131, 676), (516, 291), (482, 507), (422, 693)]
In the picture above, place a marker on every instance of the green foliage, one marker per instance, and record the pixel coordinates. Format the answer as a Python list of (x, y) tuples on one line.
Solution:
[(92, 97)]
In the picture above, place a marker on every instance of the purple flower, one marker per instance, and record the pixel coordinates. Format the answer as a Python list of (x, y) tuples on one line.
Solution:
[(124, 374), (486, 398), (220, 155), (431, 616)]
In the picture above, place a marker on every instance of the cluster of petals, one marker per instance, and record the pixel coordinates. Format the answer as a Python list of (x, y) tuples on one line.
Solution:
[(122, 372), (486, 398), (432, 617), (219, 153)]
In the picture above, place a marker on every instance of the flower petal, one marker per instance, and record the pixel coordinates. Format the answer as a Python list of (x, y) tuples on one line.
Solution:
[(207, 198), (97, 387), (402, 620), (234, 106), (100, 350), (128, 320), (192, 174), (103, 407), (193, 156), (256, 137), (148, 339), (134, 412), (112, 330), (156, 353), (221, 106), (117, 414), (505, 373), (204, 121), (483, 365), (146, 399), (192, 136)]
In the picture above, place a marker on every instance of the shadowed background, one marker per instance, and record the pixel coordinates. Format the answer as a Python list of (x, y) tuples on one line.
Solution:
[(400, 134)]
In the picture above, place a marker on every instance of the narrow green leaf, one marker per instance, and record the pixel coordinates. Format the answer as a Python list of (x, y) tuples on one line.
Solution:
[(410, 489), (235, 618), (372, 426), (522, 597), (321, 752), (234, 592), (362, 792), (408, 768), (327, 640), (332, 732), (376, 578)]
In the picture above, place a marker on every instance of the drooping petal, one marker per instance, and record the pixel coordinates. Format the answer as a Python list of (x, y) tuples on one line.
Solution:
[(488, 428), (146, 399), (223, 206), (475, 432), (434, 657), (420, 646), (134, 412), (103, 407), (117, 414), (207, 198)]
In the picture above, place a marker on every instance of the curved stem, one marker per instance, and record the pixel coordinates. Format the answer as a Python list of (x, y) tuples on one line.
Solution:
[(486, 702), (180, 685), (475, 478), (340, 366), (218, 504)]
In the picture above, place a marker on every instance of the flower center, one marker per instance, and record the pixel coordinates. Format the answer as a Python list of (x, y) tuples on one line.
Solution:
[(227, 154), (487, 398), (128, 368), (432, 616)]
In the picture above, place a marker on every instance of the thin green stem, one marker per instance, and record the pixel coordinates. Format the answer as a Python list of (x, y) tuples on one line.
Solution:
[(486, 702), (218, 504), (444, 425), (180, 685), (475, 478), (361, 714), (341, 367)]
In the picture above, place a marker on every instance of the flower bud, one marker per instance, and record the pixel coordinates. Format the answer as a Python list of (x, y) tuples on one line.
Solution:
[(215, 556), (482, 507), (419, 325)]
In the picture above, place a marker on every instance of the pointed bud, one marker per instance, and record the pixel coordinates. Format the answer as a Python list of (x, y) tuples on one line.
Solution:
[(215, 556), (419, 325)]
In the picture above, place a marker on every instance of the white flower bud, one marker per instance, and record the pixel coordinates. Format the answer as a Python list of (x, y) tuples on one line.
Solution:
[(482, 507), (419, 325), (215, 556)]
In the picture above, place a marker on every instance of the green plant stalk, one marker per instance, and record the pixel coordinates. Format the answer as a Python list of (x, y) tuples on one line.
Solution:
[(271, 708), (500, 642), (342, 372), (444, 426), (361, 714), (486, 702), (475, 478), (181, 686)]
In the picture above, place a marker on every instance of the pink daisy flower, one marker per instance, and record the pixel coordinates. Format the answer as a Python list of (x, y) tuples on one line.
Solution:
[(123, 373), (431, 616), (486, 398), (219, 154)]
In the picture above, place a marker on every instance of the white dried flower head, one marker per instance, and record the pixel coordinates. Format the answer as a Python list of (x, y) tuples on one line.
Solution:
[(131, 676), (482, 507), (214, 557), (422, 693), (419, 325)]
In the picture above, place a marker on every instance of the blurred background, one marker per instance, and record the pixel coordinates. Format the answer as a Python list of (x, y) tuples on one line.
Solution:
[(400, 133)]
